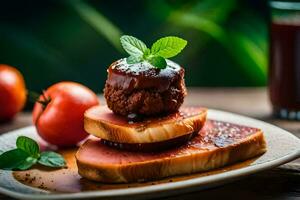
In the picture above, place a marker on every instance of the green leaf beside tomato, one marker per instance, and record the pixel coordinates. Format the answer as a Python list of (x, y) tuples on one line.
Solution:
[(51, 159), (28, 154), (28, 145), (13, 159)]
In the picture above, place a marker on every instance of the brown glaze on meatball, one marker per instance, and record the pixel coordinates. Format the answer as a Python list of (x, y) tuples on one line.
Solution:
[(142, 90)]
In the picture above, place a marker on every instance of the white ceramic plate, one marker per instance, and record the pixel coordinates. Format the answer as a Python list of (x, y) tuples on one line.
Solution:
[(282, 148)]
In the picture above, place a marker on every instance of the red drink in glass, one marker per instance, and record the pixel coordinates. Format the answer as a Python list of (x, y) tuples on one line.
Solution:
[(284, 70)]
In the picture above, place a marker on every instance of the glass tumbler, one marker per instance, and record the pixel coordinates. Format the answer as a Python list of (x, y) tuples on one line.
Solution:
[(284, 65)]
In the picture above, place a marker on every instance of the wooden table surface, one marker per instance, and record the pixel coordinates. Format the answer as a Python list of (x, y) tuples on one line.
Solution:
[(280, 183)]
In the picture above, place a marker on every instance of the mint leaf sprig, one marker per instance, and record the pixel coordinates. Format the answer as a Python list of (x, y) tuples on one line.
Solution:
[(162, 49), (27, 154)]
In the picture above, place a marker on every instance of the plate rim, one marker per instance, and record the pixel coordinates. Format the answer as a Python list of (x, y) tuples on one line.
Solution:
[(166, 186)]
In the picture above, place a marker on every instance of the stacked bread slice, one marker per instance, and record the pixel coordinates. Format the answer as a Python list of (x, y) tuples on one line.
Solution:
[(155, 148)]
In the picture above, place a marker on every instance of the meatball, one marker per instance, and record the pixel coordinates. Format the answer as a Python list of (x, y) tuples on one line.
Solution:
[(143, 90)]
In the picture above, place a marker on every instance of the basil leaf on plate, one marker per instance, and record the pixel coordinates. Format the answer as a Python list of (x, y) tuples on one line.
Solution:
[(51, 159), (27, 163), (27, 154), (28, 145), (13, 159)]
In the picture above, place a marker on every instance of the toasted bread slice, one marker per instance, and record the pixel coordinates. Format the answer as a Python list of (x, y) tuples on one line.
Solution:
[(217, 144), (103, 123)]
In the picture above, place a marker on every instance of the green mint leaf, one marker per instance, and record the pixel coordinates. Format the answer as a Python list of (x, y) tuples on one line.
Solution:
[(168, 47), (147, 53), (133, 46), (12, 159), (27, 163), (28, 145), (133, 59), (51, 159), (158, 62)]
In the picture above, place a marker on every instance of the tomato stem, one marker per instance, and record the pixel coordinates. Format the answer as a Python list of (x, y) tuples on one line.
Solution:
[(42, 98)]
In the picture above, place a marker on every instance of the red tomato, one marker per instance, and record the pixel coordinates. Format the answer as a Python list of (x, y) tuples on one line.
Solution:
[(12, 92), (60, 120)]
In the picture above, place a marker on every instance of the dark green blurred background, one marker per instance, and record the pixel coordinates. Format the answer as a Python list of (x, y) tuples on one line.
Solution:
[(55, 40)]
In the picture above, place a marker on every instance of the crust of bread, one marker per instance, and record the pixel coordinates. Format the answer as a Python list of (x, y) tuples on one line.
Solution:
[(148, 133), (191, 162)]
